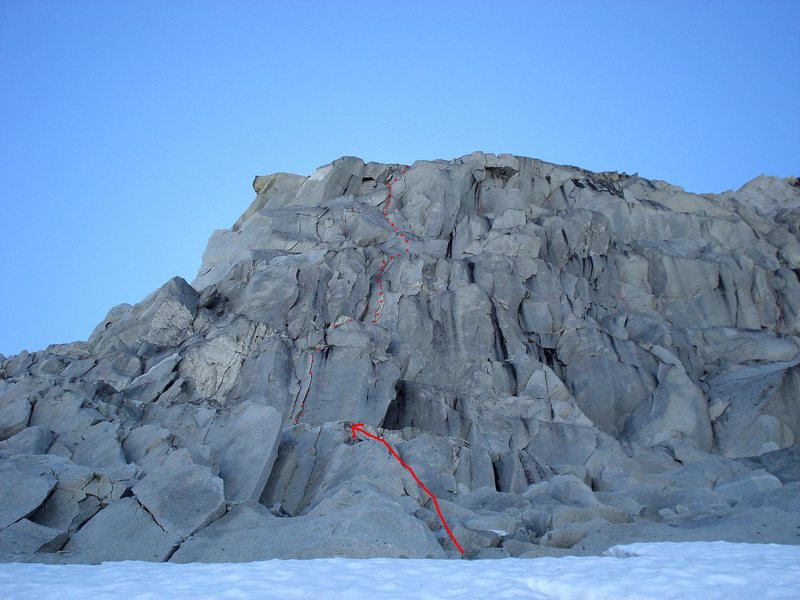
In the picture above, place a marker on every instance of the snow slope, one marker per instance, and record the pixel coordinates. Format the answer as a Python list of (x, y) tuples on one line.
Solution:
[(707, 570)]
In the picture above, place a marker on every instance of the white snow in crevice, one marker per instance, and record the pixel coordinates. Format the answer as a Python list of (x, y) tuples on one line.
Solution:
[(707, 570)]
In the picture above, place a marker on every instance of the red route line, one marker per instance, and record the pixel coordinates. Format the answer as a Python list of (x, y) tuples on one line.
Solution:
[(378, 277), (359, 427), (384, 263)]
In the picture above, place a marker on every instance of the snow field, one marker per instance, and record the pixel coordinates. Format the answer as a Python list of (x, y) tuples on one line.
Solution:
[(707, 570)]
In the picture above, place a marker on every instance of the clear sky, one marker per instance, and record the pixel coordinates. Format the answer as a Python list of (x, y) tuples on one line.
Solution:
[(129, 131)]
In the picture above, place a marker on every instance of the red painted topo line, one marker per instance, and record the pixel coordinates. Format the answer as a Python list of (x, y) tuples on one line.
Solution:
[(359, 427), (385, 262), (308, 389)]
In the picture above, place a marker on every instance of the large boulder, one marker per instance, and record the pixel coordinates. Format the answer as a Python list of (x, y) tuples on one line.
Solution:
[(356, 523), (121, 531), (15, 412), (246, 441), (22, 492), (31, 440), (25, 538), (181, 496), (163, 319)]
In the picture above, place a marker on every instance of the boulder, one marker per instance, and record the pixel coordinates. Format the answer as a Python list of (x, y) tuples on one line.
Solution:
[(785, 498), (349, 524), (100, 447), (79, 492), (488, 500), (564, 538), (148, 444), (26, 537), (784, 464), (504, 525), (181, 496), (756, 406), (63, 410), (492, 553), (516, 548), (571, 491), (163, 319), (566, 516), (121, 531), (15, 413), (22, 493), (148, 386), (755, 483), (246, 441), (31, 440)]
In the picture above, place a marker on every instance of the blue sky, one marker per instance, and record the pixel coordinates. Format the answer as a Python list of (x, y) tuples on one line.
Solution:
[(129, 131)]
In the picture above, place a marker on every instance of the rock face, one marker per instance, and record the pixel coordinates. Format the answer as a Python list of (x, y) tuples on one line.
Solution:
[(567, 360)]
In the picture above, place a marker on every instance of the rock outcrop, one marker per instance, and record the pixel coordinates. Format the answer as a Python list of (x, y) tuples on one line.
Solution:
[(567, 360)]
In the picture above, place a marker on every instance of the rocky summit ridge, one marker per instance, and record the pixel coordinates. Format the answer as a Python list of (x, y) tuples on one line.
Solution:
[(567, 359)]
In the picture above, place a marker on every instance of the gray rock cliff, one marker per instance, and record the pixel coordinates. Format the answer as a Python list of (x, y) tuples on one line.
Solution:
[(566, 359)]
